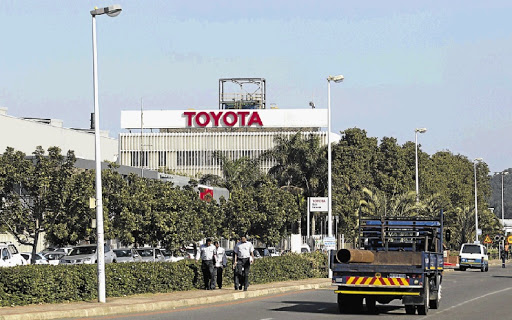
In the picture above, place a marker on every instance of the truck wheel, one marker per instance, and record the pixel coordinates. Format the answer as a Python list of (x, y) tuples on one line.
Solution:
[(423, 309), (410, 309), (349, 304), (486, 267), (434, 304), (482, 268), (342, 303), (462, 268), (371, 305)]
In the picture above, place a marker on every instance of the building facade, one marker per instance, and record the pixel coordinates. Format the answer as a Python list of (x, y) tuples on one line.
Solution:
[(25, 134), (185, 141)]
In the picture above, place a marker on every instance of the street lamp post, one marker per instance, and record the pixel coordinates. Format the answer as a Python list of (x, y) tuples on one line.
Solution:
[(336, 79), (477, 160), (416, 131), (329, 156), (503, 173), (111, 11)]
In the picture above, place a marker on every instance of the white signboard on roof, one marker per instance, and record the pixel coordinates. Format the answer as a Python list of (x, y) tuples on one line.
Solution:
[(250, 118)]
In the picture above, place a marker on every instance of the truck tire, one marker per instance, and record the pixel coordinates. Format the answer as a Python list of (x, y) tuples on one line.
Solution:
[(462, 268), (342, 303), (423, 309), (349, 303), (371, 305), (434, 304), (410, 309)]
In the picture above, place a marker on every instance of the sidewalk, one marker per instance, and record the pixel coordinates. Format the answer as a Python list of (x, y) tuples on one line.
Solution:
[(154, 302)]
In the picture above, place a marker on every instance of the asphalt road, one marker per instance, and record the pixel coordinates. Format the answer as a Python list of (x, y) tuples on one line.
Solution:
[(465, 295)]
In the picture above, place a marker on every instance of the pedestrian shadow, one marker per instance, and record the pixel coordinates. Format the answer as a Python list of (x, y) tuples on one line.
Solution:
[(332, 308)]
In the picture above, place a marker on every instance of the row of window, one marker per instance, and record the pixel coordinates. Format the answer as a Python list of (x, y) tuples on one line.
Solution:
[(190, 158)]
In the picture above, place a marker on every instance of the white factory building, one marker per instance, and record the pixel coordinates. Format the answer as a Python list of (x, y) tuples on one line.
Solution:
[(25, 134), (184, 141)]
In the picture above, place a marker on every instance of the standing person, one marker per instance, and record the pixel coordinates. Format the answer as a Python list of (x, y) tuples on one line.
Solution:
[(244, 252), (207, 251), (220, 263)]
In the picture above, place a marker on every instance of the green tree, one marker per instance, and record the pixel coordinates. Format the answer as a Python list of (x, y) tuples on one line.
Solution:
[(33, 192)]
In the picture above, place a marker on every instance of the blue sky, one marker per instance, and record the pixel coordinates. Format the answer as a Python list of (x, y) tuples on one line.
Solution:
[(443, 65)]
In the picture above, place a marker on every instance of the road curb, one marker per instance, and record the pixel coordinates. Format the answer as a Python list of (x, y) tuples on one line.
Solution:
[(121, 308)]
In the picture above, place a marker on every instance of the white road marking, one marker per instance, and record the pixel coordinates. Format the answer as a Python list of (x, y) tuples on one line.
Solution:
[(267, 319), (465, 302)]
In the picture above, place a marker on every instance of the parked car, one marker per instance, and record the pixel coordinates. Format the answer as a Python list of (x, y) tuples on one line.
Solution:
[(174, 255), (64, 250), (124, 255), (473, 256), (273, 252), (53, 258), (40, 259), (261, 252), (151, 254), (305, 248), (229, 253), (86, 254), (10, 256)]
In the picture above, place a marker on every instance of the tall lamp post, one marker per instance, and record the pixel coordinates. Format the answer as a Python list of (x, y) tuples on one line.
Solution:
[(336, 79), (416, 131), (477, 160), (111, 11), (503, 173)]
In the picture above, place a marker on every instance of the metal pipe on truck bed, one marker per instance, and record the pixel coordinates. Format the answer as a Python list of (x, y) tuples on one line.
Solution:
[(354, 255)]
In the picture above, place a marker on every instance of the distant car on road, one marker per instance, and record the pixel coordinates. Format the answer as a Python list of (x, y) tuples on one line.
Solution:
[(124, 255), (86, 254), (473, 256)]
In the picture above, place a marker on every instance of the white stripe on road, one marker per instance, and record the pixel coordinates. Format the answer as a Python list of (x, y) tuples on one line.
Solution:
[(467, 301), (267, 319)]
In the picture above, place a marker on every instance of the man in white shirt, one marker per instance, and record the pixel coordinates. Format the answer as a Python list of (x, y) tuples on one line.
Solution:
[(220, 263), (207, 252), (244, 255)]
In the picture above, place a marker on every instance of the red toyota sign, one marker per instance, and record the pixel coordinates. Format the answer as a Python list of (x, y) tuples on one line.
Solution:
[(222, 118)]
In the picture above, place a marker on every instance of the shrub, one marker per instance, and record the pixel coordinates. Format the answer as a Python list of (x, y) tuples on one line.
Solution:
[(31, 284)]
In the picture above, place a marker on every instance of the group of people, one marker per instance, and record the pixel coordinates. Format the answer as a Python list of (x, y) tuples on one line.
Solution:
[(214, 260)]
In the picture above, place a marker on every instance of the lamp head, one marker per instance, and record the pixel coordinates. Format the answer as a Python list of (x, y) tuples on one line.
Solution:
[(339, 78), (478, 160), (111, 11), (420, 130)]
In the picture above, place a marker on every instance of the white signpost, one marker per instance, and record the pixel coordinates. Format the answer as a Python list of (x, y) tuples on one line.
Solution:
[(316, 204), (329, 243)]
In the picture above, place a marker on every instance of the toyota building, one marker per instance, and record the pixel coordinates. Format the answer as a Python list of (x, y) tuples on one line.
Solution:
[(184, 141)]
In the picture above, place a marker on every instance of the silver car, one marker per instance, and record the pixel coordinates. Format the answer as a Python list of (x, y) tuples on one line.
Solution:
[(127, 255), (151, 254), (86, 254)]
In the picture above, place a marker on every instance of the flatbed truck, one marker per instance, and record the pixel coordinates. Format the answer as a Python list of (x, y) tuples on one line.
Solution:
[(397, 258)]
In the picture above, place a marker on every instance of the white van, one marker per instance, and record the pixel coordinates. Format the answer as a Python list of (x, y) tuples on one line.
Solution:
[(473, 256), (10, 256)]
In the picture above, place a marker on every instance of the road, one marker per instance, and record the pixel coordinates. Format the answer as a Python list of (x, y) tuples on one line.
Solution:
[(465, 295)]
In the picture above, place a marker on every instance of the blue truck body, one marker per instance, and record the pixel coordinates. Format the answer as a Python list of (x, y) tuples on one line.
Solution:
[(396, 258)]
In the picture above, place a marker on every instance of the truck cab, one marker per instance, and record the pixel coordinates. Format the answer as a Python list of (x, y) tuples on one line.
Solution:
[(473, 256)]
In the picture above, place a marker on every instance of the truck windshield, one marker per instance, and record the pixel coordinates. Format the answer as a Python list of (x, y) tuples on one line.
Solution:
[(471, 249)]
